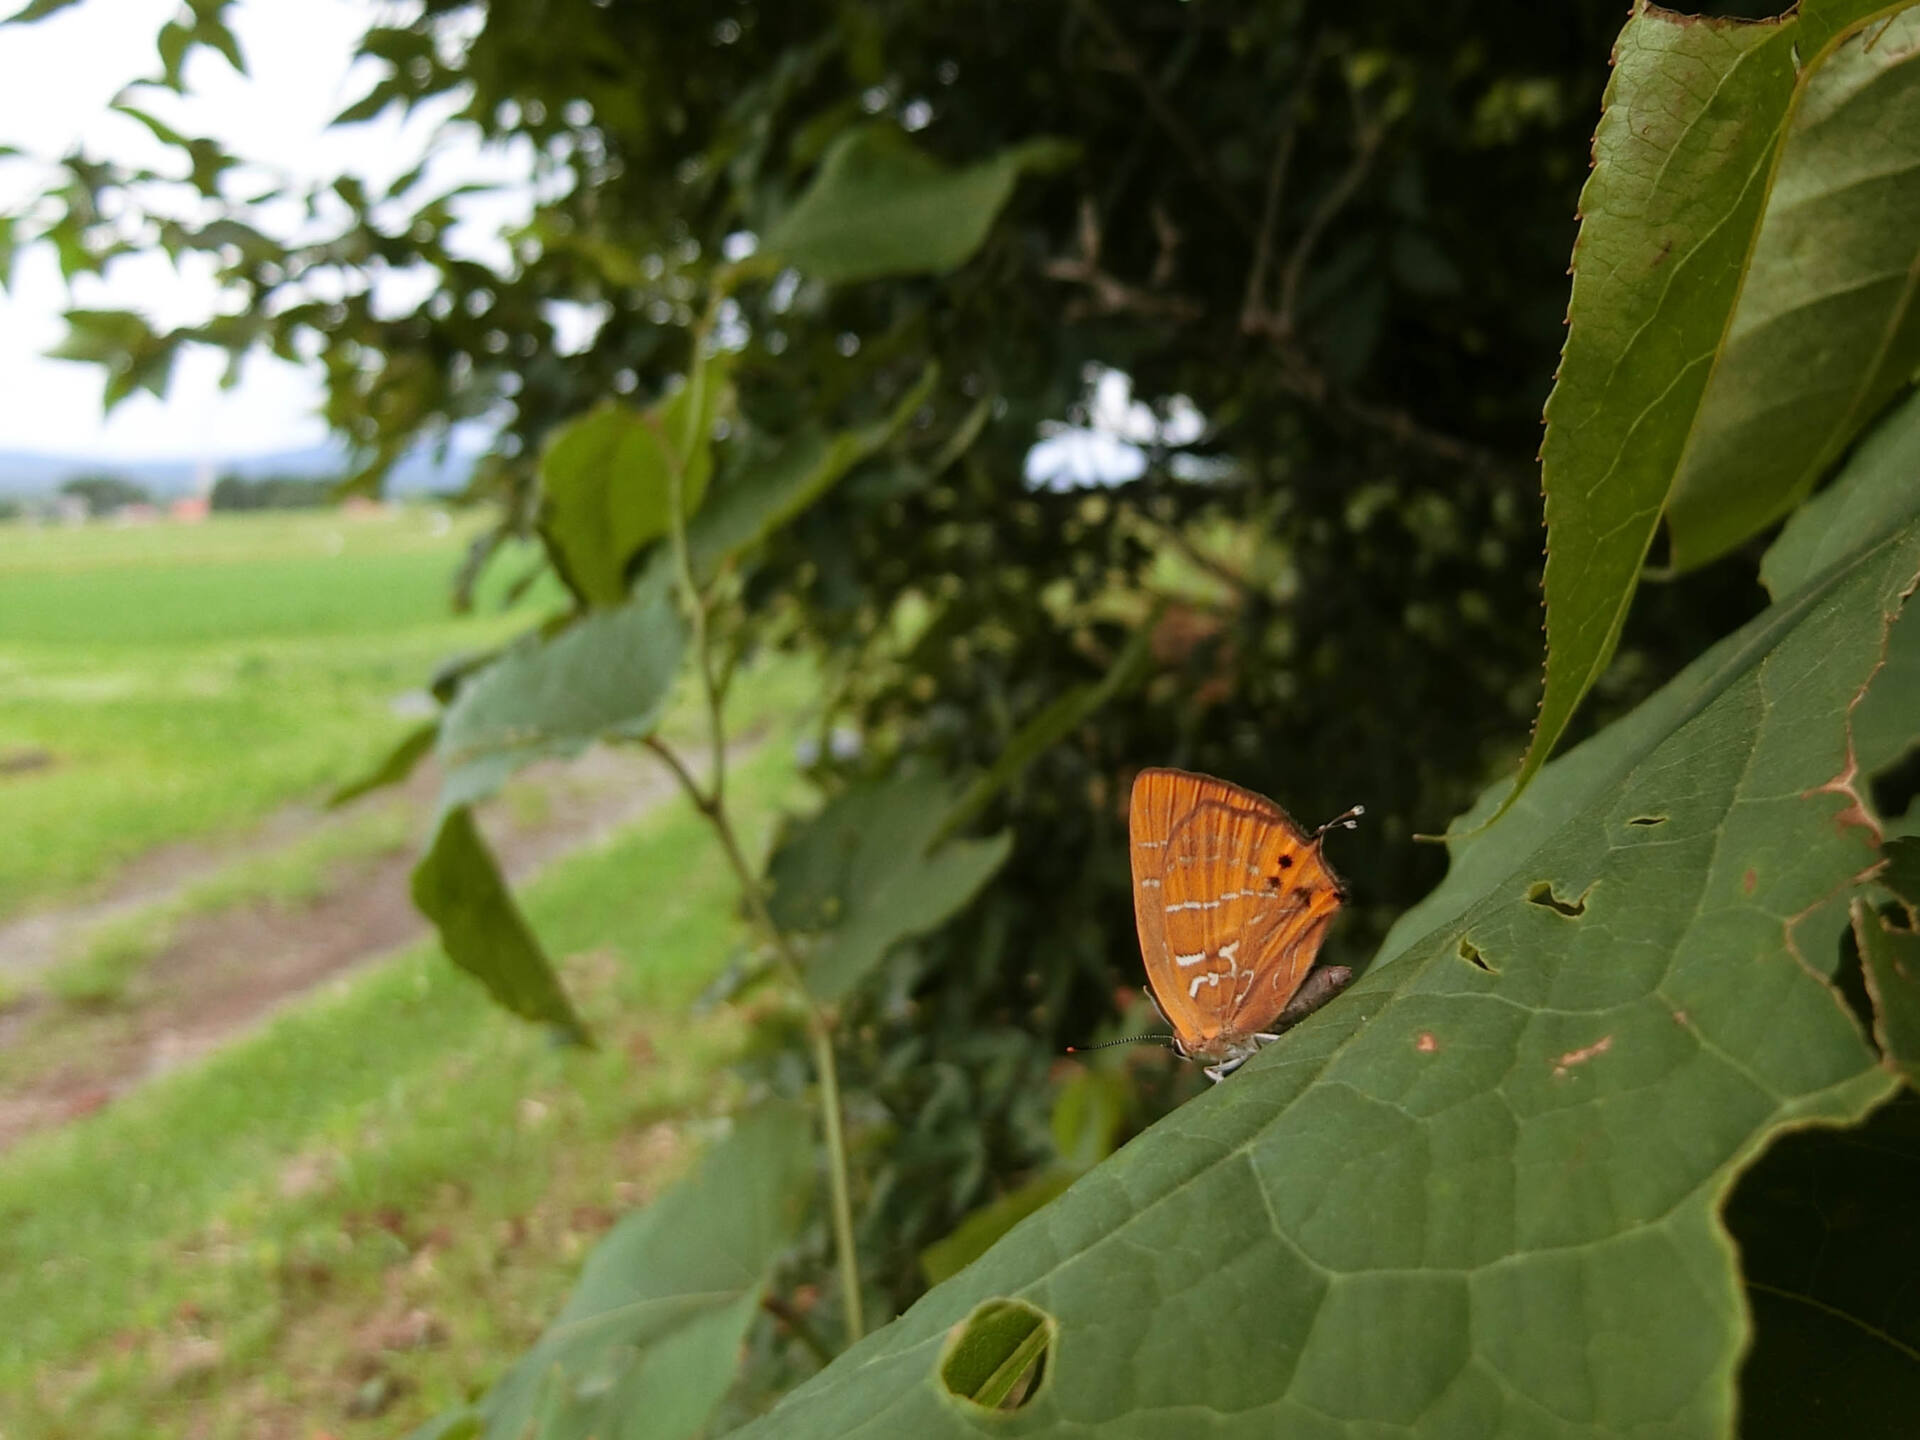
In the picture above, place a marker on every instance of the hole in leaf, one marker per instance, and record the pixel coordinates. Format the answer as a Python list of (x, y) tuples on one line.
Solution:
[(997, 1357), (1648, 820), (1541, 893), (1895, 788), (1470, 953)]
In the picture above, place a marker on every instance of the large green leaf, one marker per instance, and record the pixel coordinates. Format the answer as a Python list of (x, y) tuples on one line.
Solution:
[(607, 675), (608, 479), (649, 1342), (1683, 161), (1478, 1194), (759, 502), (865, 874), (1827, 328), (458, 887), (881, 206)]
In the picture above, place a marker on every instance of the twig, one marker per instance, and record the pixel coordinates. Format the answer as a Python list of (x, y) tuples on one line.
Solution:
[(712, 803), (1168, 117), (1110, 295), (1253, 308), (1331, 204)]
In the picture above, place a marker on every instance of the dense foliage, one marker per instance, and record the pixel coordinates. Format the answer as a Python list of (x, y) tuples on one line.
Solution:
[(840, 267)]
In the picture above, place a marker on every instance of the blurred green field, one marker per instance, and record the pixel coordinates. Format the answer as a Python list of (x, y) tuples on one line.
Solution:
[(344, 1218), (379, 1199), (164, 682)]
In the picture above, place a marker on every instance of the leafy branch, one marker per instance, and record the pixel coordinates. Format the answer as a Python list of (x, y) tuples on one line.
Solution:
[(710, 801)]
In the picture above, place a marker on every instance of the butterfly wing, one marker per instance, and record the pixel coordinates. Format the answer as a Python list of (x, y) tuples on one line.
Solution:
[(1232, 900)]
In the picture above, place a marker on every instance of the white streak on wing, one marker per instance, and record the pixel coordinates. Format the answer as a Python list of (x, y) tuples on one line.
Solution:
[(1193, 959), (1149, 884), (1149, 844), (1211, 978), (1228, 952)]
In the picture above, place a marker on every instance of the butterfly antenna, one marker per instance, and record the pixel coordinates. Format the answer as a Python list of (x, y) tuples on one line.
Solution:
[(1130, 1040), (1346, 820)]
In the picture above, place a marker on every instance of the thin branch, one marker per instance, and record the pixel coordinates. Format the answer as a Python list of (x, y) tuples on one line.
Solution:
[(1108, 294), (1169, 118), (712, 803), (1253, 309), (1331, 204)]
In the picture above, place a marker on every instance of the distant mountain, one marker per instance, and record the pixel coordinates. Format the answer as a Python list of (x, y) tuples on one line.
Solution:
[(24, 473)]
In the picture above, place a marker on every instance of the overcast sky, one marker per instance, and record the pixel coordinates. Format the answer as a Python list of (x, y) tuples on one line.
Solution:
[(57, 78)]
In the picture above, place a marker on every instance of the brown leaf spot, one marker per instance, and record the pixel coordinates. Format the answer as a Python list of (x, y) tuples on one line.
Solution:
[(1581, 1056), (1749, 880), (1426, 1044)]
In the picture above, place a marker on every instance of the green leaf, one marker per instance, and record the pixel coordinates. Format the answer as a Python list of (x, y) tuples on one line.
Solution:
[(609, 475), (38, 10), (414, 747), (1066, 713), (650, 1340), (1874, 489), (865, 874), (979, 1232), (1478, 1194), (1683, 160), (742, 514), (990, 1354), (1872, 492), (608, 675), (881, 206), (1826, 330), (459, 888), (133, 354), (1890, 957)]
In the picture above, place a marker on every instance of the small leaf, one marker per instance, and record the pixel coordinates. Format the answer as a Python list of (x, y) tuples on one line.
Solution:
[(38, 10), (650, 1341), (458, 887), (979, 1232), (413, 747), (881, 206), (743, 513), (608, 477), (864, 874), (1890, 958), (990, 1355), (1827, 328), (607, 675), (1059, 719)]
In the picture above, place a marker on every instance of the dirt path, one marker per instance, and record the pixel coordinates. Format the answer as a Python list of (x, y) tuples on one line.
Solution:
[(224, 971)]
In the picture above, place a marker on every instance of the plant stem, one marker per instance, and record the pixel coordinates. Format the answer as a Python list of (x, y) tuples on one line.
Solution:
[(711, 802)]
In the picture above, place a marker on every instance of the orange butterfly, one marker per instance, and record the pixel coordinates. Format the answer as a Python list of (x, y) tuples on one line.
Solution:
[(1232, 900)]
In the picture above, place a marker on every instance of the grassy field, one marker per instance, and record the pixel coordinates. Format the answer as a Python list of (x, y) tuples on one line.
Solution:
[(380, 1198), (345, 1219), (165, 682)]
